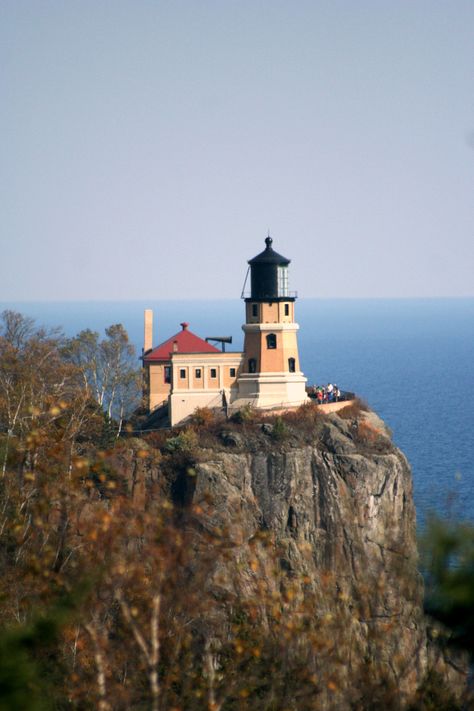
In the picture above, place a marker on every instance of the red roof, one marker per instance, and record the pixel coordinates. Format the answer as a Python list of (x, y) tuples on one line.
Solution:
[(183, 342)]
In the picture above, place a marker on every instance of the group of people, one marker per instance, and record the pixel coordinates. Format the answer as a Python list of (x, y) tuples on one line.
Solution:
[(323, 394)]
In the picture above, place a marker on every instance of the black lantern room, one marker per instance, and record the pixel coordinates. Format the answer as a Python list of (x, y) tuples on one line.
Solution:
[(269, 276)]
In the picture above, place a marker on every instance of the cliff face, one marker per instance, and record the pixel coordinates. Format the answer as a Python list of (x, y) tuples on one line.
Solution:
[(344, 518), (341, 515)]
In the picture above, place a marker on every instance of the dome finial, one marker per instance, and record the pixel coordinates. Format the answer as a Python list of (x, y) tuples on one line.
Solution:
[(268, 240)]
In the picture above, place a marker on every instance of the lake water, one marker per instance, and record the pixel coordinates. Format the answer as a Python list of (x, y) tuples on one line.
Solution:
[(412, 360)]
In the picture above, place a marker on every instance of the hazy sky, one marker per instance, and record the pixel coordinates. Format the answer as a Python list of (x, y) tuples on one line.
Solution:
[(148, 146)]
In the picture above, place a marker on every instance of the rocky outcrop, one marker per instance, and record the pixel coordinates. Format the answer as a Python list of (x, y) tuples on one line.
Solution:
[(341, 515)]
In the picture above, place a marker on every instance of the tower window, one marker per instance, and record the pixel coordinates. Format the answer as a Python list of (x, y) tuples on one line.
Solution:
[(213, 373), (287, 309), (254, 310), (232, 373), (167, 371), (291, 365), (182, 373), (252, 365), (271, 341), (197, 373)]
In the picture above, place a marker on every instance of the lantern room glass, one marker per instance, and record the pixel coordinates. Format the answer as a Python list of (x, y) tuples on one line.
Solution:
[(282, 281)]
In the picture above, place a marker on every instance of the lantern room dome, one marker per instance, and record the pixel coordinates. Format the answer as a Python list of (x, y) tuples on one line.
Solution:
[(269, 256)]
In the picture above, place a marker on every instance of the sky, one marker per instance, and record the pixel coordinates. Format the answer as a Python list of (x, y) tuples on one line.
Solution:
[(148, 146)]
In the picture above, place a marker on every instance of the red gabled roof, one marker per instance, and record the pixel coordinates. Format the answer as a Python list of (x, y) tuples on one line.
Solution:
[(183, 342)]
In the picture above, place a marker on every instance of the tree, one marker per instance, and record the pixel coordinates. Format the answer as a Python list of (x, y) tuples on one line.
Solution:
[(448, 552), (38, 388), (108, 368), (16, 329)]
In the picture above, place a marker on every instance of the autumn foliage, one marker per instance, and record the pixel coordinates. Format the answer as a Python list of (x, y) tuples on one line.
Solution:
[(117, 591)]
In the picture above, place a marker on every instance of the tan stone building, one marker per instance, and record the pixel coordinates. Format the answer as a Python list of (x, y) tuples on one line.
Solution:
[(186, 372)]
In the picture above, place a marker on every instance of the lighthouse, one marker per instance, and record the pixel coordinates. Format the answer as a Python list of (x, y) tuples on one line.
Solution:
[(270, 375), (186, 372)]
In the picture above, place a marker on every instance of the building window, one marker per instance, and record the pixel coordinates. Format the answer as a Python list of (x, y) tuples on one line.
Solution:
[(287, 309), (291, 365), (252, 365), (271, 341), (213, 373), (232, 372), (182, 373), (254, 310), (197, 373), (167, 371)]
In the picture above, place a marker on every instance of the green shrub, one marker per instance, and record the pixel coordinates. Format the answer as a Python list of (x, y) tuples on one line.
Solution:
[(245, 414), (185, 442), (280, 430)]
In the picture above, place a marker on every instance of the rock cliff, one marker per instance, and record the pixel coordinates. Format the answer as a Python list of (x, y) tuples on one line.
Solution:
[(339, 509)]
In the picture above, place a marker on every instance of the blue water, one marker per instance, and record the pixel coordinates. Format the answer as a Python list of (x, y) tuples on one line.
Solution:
[(412, 360)]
